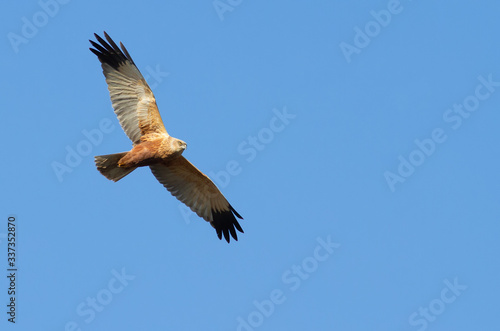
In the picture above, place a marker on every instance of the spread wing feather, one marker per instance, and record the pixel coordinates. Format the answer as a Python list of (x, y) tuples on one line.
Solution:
[(132, 98), (192, 187)]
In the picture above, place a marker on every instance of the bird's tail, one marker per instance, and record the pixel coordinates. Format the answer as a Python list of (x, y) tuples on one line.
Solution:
[(108, 166)]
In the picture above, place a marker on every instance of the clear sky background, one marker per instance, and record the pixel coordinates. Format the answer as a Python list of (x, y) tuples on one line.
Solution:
[(359, 141)]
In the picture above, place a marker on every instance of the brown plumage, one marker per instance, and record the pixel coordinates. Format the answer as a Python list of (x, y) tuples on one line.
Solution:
[(135, 107)]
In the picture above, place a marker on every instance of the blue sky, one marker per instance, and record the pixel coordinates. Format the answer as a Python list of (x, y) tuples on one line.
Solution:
[(357, 140)]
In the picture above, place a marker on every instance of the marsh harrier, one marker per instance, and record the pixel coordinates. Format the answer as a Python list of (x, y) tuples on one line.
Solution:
[(135, 106)]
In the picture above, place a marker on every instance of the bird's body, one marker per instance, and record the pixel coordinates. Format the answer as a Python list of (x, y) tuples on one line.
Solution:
[(153, 148), (137, 112)]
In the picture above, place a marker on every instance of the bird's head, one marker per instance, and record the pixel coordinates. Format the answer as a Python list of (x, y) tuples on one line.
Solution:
[(178, 146)]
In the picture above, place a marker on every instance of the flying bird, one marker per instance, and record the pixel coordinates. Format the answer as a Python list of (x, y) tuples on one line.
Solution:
[(135, 106)]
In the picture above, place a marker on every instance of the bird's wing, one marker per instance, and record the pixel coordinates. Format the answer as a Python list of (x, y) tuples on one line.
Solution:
[(192, 187), (132, 99)]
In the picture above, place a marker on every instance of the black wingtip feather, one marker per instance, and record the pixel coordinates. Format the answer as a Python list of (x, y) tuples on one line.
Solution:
[(235, 212), (108, 51), (225, 224)]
